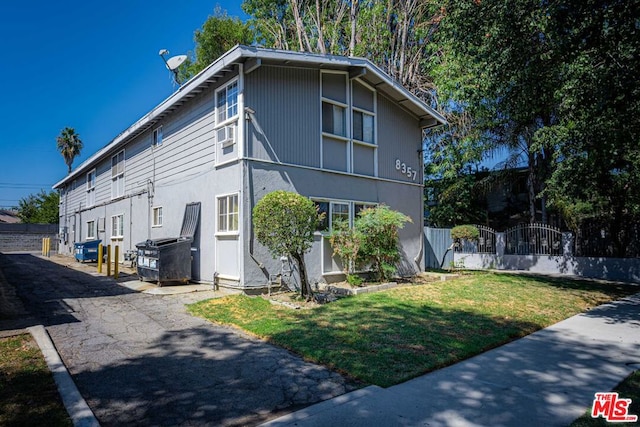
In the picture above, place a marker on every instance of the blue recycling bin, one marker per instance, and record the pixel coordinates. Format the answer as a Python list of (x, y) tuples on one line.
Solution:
[(87, 251)]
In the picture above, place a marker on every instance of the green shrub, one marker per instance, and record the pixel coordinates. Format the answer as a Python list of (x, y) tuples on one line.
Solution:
[(378, 229), (465, 232)]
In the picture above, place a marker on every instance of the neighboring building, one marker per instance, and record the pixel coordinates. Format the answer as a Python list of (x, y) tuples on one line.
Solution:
[(337, 130), (9, 216)]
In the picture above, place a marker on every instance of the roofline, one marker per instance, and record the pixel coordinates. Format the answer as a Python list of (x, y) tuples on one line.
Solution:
[(235, 56)]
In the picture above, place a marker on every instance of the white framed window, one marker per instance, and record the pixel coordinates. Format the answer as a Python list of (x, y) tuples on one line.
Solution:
[(117, 175), (363, 126), (117, 226), (227, 102), (91, 188), (157, 136), (228, 213), (91, 230), (339, 211), (334, 118), (157, 217)]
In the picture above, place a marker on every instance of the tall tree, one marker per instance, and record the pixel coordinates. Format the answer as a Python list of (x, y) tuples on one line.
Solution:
[(496, 62), (69, 145), (41, 208), (597, 139), (219, 33)]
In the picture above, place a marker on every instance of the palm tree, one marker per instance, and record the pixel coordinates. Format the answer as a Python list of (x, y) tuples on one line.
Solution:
[(69, 145)]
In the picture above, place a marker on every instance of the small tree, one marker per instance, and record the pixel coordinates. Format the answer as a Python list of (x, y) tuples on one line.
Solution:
[(378, 228), (284, 222), (345, 242), (41, 208)]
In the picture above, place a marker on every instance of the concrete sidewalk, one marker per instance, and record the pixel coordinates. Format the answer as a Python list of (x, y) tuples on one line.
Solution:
[(545, 379)]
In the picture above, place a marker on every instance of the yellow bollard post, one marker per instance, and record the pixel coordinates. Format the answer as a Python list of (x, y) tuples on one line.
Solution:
[(108, 260), (115, 260), (43, 246), (100, 257), (48, 247)]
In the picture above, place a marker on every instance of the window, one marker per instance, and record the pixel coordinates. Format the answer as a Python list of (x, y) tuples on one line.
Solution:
[(363, 126), (339, 212), (228, 213), (157, 136), (91, 230), (227, 102), (157, 217), (91, 188), (117, 226), (333, 119), (117, 175)]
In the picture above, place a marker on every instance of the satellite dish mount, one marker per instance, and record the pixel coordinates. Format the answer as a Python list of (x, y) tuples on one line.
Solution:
[(173, 63)]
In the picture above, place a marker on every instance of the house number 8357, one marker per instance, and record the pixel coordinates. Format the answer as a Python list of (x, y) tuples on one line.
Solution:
[(406, 170)]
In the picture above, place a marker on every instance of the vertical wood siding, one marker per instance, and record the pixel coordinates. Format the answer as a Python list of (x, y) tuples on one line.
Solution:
[(287, 111), (399, 137)]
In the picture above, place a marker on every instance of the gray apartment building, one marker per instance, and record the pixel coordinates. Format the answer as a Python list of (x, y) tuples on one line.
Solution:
[(337, 130)]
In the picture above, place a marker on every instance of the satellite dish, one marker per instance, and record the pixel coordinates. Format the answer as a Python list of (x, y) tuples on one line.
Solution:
[(175, 61)]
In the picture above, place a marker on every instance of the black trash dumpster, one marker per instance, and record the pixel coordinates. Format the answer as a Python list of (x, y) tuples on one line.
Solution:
[(86, 251), (169, 259)]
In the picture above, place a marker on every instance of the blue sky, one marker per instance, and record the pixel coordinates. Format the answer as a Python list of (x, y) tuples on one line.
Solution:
[(92, 66)]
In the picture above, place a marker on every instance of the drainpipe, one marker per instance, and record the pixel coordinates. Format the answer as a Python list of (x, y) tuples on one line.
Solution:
[(249, 114)]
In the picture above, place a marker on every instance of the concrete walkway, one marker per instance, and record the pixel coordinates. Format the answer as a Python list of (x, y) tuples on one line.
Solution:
[(140, 359), (545, 379)]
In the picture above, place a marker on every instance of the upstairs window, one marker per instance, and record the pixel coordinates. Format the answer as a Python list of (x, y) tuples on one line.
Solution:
[(334, 118), (117, 175), (157, 136), (91, 188), (227, 102), (363, 126)]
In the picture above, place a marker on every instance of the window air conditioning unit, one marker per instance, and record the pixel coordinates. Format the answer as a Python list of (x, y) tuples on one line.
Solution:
[(226, 135)]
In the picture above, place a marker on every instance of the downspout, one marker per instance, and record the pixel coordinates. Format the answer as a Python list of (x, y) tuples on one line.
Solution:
[(248, 117)]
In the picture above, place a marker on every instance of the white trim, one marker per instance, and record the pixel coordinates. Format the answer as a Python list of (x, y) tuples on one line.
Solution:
[(219, 89), (226, 232), (155, 209), (94, 229), (116, 236), (157, 137)]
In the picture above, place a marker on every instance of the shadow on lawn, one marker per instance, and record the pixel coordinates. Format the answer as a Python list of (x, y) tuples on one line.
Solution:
[(384, 343)]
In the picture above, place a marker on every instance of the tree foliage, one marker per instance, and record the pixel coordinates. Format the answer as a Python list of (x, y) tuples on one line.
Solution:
[(597, 138), (219, 33), (69, 145), (378, 230), (41, 208), (284, 222)]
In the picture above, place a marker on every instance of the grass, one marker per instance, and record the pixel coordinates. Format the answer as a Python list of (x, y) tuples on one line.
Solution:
[(28, 394), (627, 389), (389, 337)]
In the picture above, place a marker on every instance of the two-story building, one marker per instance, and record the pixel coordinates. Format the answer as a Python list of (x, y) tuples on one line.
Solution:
[(337, 130)]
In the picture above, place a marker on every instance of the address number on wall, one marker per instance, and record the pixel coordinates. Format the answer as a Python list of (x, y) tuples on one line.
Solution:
[(408, 171)]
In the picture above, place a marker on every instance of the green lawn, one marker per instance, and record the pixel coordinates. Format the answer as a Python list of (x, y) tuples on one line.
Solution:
[(28, 394), (389, 337)]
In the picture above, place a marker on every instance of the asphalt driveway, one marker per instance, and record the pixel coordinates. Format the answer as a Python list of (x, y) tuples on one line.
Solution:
[(141, 359)]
